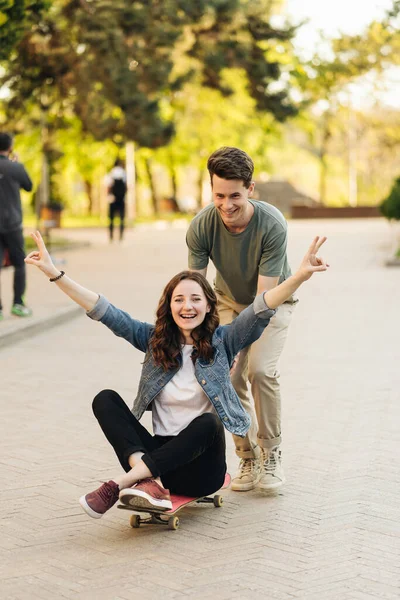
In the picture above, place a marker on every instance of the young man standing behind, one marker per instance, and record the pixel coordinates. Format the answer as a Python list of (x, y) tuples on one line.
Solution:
[(246, 240), (13, 177)]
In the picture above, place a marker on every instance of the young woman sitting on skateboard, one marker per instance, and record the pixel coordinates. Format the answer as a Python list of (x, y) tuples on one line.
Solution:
[(185, 381)]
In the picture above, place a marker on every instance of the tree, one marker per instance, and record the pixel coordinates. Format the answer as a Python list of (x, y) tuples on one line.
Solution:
[(16, 16), (205, 119), (376, 48), (390, 206), (114, 63), (83, 159), (240, 36)]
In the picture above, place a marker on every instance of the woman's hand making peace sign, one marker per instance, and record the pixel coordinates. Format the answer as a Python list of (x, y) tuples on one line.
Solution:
[(41, 257), (312, 263)]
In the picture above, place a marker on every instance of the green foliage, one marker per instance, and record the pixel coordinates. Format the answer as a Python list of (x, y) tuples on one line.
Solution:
[(329, 115), (239, 35), (16, 16), (181, 79), (390, 207), (84, 159), (114, 63), (376, 48)]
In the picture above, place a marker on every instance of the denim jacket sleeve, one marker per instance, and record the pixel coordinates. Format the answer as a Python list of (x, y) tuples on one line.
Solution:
[(121, 323), (247, 327)]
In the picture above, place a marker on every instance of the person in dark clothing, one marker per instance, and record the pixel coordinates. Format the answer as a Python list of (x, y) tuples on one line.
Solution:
[(13, 177), (117, 190)]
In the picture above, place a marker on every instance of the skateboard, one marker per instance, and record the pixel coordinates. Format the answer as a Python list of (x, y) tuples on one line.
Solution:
[(168, 517)]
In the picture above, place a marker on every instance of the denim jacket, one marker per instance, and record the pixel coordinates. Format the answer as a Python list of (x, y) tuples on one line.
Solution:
[(213, 376)]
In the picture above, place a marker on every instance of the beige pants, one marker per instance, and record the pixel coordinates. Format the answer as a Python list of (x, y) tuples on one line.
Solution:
[(258, 364)]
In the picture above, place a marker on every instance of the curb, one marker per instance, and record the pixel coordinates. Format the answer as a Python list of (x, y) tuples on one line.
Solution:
[(39, 326)]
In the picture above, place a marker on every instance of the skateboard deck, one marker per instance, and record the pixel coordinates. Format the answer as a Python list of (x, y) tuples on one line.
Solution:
[(168, 517)]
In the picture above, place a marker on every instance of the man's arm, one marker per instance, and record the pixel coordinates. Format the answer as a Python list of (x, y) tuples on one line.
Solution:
[(266, 283), (24, 180), (198, 254), (272, 259), (201, 271)]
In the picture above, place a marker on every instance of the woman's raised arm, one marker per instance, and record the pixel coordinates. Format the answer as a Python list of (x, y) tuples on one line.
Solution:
[(41, 259), (310, 264)]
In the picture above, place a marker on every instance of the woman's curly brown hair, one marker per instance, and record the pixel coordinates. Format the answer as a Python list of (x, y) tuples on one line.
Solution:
[(166, 341)]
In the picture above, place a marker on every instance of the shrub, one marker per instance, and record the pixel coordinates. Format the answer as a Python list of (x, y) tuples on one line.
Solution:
[(390, 207)]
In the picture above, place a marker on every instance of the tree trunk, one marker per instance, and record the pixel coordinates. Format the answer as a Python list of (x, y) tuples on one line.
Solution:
[(154, 200), (89, 192), (174, 185), (200, 190), (323, 177), (130, 180), (138, 198)]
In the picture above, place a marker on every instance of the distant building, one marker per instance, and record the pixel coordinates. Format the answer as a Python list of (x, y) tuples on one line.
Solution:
[(283, 195)]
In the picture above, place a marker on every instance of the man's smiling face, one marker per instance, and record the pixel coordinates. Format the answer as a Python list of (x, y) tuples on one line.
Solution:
[(231, 199)]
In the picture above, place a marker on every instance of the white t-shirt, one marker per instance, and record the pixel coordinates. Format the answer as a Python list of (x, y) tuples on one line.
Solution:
[(181, 400), (115, 173)]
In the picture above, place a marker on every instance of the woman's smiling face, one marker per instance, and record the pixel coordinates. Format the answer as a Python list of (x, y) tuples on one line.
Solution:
[(188, 306)]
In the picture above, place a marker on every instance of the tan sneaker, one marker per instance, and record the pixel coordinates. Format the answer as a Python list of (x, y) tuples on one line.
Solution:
[(247, 476), (272, 475)]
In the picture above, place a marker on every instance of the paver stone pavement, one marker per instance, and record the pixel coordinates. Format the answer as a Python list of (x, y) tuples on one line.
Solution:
[(332, 533)]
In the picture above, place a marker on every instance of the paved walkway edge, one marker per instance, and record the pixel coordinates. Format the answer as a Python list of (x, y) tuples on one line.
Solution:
[(39, 325)]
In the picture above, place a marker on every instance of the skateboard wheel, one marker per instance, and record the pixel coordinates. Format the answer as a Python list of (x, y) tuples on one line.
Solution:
[(173, 523), (135, 521), (218, 501)]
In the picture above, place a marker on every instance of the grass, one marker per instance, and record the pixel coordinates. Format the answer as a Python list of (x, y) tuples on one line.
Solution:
[(77, 221), (398, 253), (70, 221), (55, 243)]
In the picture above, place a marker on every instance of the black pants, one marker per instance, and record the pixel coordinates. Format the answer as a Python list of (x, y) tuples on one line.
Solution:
[(117, 209), (191, 463), (14, 242)]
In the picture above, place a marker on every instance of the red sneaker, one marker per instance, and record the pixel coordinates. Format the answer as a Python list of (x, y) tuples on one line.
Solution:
[(146, 494), (96, 503)]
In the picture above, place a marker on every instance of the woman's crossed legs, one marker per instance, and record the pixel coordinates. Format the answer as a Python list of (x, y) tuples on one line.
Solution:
[(191, 463)]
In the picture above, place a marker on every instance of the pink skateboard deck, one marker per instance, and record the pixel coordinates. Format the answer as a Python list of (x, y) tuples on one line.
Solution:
[(168, 517)]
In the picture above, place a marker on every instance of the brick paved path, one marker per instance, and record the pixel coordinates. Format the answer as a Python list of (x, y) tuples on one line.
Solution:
[(332, 533)]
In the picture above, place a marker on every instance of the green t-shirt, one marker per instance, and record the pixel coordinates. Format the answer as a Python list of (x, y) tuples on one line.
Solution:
[(240, 258)]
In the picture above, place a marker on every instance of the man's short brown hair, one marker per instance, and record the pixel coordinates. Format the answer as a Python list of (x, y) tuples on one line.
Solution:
[(231, 163)]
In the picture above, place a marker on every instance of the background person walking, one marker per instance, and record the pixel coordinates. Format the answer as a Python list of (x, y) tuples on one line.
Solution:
[(116, 182), (13, 177)]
